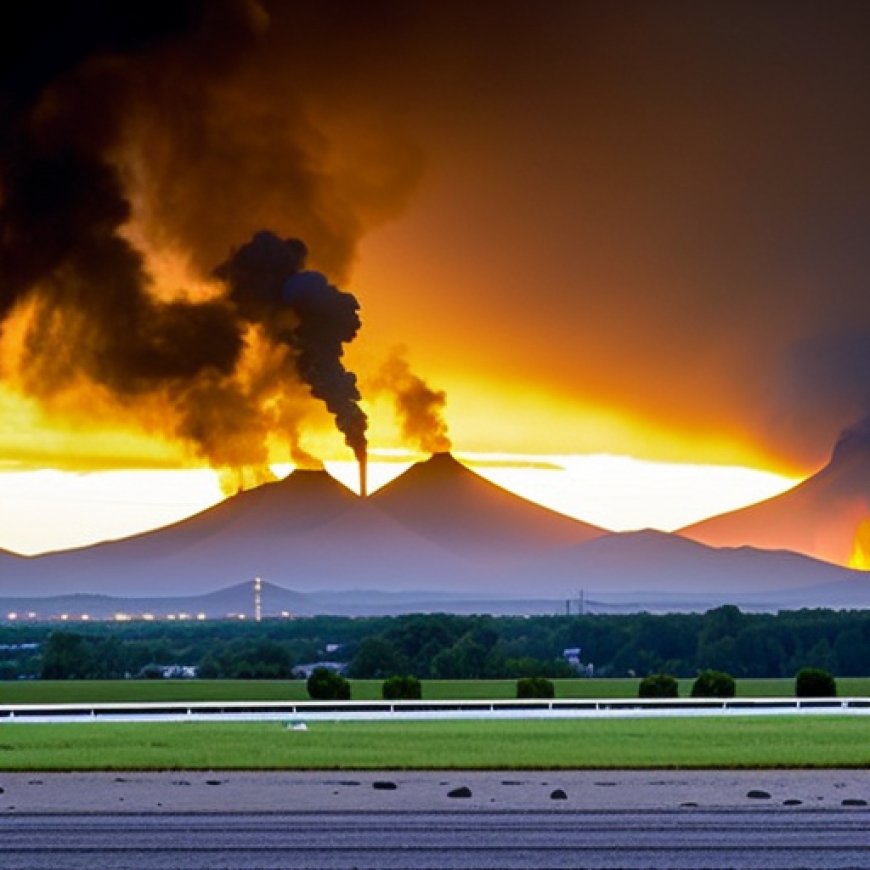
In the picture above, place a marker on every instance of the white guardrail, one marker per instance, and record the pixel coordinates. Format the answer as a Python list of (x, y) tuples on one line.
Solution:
[(307, 711)]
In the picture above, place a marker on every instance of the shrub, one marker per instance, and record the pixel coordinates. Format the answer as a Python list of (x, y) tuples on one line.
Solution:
[(535, 687), (402, 689), (326, 685), (714, 684), (658, 686), (814, 683)]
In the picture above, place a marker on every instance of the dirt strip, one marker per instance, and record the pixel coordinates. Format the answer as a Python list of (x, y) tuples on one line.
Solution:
[(172, 792)]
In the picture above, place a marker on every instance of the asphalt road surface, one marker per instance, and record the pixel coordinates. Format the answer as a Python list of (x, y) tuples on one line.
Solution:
[(443, 820)]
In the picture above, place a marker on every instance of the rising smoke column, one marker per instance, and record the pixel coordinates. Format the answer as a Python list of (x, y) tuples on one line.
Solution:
[(420, 409), (300, 308)]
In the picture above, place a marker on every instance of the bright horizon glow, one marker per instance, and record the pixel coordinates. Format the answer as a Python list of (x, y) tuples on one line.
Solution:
[(49, 510)]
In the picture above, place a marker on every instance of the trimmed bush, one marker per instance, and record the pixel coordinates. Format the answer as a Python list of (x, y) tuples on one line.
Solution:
[(714, 684), (402, 689), (658, 686), (814, 683), (535, 687), (326, 685)]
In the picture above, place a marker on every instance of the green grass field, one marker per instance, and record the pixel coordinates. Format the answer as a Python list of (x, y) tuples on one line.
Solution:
[(113, 691), (739, 742)]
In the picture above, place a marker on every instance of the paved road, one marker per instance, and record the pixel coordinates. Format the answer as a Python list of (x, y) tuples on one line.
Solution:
[(686, 838), (437, 819)]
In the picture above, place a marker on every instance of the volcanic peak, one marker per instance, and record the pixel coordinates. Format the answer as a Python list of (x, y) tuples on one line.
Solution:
[(446, 502)]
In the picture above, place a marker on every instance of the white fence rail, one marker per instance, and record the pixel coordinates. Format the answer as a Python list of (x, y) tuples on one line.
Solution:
[(307, 711)]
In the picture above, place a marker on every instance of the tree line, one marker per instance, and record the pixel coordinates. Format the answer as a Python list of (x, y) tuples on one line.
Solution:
[(446, 646)]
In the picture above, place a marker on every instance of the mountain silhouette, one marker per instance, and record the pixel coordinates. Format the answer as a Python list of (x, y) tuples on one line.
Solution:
[(306, 532), (445, 502), (650, 560), (438, 536), (824, 517)]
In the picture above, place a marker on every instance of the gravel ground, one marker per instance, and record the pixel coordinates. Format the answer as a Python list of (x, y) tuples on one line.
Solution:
[(429, 791)]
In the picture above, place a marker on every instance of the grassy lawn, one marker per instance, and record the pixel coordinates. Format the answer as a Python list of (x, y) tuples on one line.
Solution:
[(94, 691), (739, 742)]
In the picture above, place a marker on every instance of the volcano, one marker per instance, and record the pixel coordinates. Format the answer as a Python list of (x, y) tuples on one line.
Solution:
[(306, 532), (821, 517), (445, 502)]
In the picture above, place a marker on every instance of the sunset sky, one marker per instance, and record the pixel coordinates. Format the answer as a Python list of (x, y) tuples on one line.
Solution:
[(628, 229)]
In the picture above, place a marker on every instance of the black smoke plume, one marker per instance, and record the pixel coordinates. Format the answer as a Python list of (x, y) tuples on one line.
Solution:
[(137, 129), (268, 281)]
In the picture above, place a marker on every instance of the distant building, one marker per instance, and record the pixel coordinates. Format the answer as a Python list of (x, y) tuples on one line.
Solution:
[(572, 656), (170, 672)]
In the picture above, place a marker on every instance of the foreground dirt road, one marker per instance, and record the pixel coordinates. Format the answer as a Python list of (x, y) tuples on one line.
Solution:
[(429, 790), (509, 820)]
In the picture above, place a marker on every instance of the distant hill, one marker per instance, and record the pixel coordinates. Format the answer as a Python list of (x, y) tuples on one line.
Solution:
[(821, 517), (235, 601), (651, 561)]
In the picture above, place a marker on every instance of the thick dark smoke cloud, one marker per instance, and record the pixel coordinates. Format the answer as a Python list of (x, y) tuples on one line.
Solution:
[(86, 290), (129, 131)]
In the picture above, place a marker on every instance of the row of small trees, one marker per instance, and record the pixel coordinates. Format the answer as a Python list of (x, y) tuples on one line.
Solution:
[(327, 685), (809, 683)]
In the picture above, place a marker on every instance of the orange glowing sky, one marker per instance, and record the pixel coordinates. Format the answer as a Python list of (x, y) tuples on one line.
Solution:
[(633, 230)]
